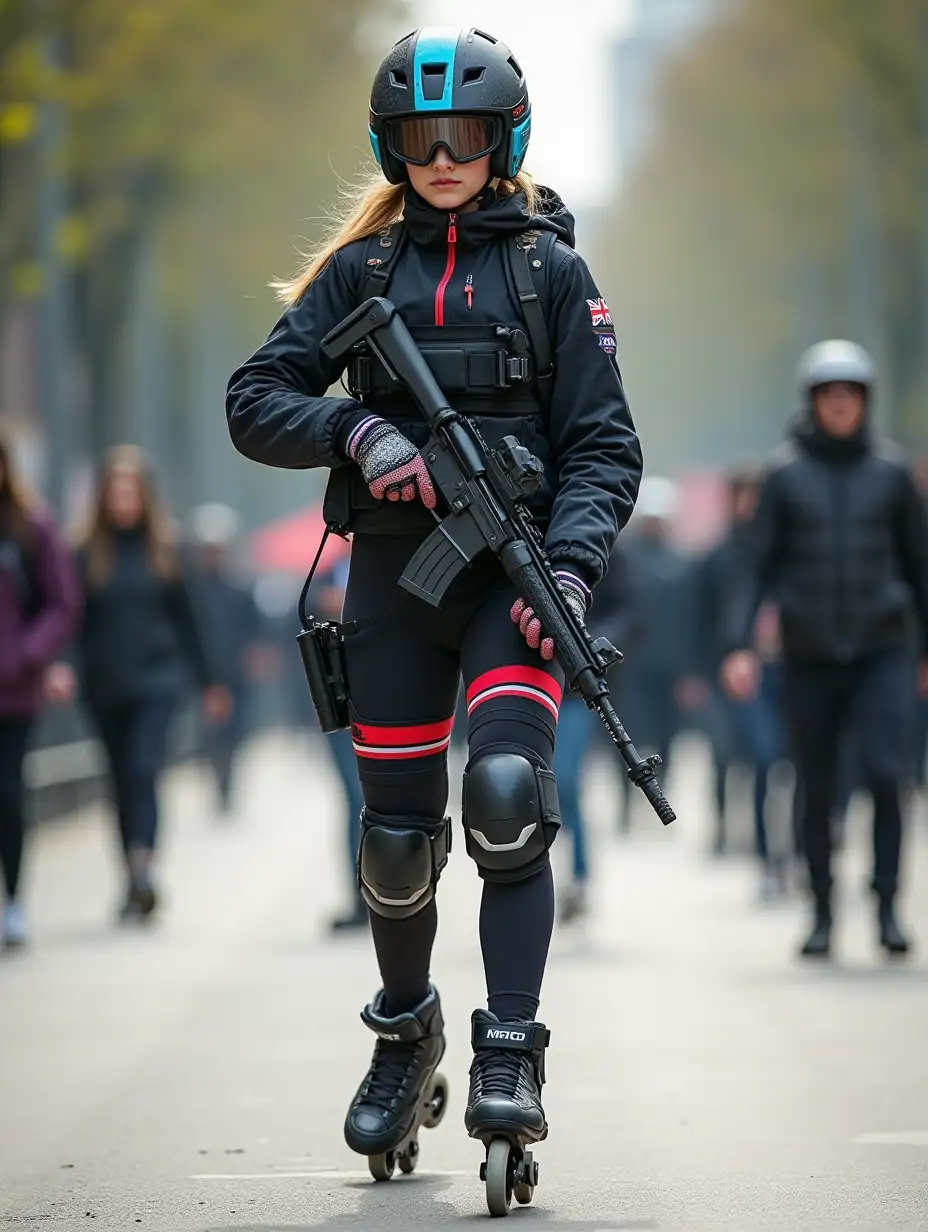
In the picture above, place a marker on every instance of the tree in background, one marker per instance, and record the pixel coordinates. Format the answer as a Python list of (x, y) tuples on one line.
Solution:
[(782, 202), (200, 131)]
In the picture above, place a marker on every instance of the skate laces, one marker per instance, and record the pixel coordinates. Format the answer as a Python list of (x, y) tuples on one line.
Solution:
[(499, 1072), (389, 1072)]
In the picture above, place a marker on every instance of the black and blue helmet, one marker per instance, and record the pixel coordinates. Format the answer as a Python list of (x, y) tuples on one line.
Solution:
[(441, 71)]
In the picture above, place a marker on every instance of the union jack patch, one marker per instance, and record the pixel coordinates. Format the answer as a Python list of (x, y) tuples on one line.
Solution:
[(599, 311)]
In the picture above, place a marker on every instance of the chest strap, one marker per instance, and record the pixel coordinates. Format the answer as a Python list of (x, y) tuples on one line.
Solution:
[(379, 259), (528, 256)]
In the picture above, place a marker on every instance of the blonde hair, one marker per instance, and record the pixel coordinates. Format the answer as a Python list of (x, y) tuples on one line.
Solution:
[(96, 539), (370, 206)]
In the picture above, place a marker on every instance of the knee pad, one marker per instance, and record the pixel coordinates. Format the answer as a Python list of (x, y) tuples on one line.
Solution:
[(400, 860), (511, 814)]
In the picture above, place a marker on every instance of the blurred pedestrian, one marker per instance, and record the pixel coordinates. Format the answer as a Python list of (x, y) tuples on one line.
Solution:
[(921, 732), (137, 648), (840, 540), (746, 730), (239, 644), (327, 598), (653, 678), (39, 606), (612, 615)]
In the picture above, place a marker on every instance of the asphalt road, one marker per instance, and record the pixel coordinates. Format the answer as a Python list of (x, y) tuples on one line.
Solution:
[(195, 1076)]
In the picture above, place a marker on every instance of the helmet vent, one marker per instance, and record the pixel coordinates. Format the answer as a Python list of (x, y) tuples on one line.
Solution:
[(433, 81), (514, 65), (483, 34), (398, 78), (473, 75)]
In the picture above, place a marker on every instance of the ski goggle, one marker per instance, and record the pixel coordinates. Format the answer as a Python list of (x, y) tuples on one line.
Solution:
[(466, 137)]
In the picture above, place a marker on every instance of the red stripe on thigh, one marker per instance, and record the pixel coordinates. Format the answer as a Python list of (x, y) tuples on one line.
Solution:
[(384, 741), (513, 676)]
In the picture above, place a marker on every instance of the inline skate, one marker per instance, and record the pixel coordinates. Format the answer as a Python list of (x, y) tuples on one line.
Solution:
[(504, 1109), (401, 1091)]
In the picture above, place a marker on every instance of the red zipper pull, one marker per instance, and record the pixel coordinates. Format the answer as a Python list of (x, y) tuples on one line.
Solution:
[(452, 229), (469, 291)]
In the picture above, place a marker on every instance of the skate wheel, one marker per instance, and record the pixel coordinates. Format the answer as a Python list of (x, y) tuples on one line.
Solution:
[(382, 1166), (409, 1158), (436, 1103), (498, 1173)]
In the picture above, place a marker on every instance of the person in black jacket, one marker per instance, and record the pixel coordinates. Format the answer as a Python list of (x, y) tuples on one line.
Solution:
[(326, 598), (613, 614), (653, 681), (748, 730), (136, 649), (921, 735), (450, 121), (240, 645), (840, 540)]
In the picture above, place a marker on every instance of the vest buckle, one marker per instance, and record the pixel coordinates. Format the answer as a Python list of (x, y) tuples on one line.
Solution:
[(512, 369)]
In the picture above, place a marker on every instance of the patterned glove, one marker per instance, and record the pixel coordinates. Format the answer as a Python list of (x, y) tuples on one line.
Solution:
[(578, 596), (391, 465)]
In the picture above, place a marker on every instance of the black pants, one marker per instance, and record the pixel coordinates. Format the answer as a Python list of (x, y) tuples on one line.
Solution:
[(873, 699), (404, 674), (134, 735), (222, 741), (14, 733)]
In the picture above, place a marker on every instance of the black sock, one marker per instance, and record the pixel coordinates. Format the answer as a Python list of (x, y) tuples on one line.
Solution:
[(404, 954), (516, 922)]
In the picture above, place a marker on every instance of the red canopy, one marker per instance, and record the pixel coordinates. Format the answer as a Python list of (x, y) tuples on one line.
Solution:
[(291, 543)]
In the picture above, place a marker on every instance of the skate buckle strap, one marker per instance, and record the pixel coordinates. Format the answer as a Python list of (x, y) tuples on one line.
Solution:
[(515, 1036)]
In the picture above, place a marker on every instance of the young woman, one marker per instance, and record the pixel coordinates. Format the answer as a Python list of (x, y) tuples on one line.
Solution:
[(450, 118), (38, 608), (137, 646)]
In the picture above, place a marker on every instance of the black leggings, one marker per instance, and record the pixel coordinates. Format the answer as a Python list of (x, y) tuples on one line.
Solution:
[(14, 733), (134, 735), (404, 674)]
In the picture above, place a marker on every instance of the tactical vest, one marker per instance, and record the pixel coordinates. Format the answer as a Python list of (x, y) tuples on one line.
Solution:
[(500, 375)]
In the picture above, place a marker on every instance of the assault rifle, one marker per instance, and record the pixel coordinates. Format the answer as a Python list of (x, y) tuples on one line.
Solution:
[(485, 493)]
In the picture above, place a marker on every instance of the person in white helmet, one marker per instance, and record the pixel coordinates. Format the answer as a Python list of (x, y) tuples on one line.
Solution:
[(840, 541)]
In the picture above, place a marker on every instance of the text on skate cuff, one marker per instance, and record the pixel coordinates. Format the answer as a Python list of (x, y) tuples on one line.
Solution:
[(517, 1036)]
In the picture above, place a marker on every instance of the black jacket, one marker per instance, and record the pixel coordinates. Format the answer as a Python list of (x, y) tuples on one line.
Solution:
[(840, 541), (278, 412), (716, 576), (663, 582), (614, 612), (139, 637), (225, 607)]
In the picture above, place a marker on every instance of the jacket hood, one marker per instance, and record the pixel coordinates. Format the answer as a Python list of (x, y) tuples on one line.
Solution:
[(495, 218)]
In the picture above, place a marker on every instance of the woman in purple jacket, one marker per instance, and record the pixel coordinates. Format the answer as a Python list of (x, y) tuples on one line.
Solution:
[(38, 609)]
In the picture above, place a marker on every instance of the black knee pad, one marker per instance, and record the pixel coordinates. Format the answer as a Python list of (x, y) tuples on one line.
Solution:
[(400, 860), (511, 814)]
